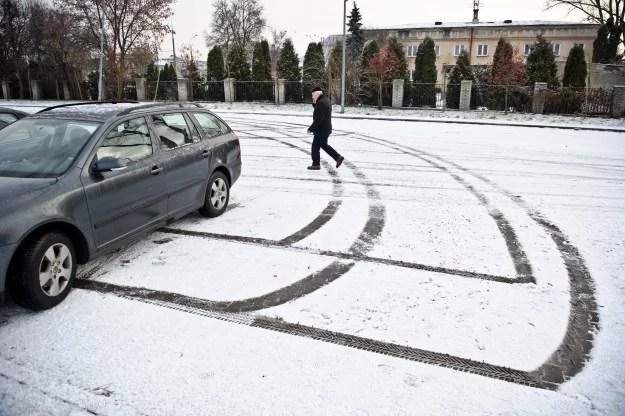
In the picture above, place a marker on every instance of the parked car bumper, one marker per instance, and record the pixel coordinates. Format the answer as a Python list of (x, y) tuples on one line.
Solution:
[(5, 257)]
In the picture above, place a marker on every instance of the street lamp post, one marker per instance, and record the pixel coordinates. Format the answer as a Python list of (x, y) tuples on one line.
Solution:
[(343, 66)]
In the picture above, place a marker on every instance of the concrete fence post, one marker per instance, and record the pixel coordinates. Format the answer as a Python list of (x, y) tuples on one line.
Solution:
[(183, 89), (229, 90), (398, 93), (279, 91), (465, 95), (34, 90), (538, 103), (6, 91), (618, 101), (140, 87)]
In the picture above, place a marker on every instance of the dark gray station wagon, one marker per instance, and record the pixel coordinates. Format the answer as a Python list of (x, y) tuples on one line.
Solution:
[(80, 179)]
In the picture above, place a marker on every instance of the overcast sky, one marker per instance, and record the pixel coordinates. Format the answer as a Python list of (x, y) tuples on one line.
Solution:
[(311, 20)]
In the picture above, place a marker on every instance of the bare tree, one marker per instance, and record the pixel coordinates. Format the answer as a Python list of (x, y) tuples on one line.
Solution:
[(236, 22), (14, 41), (596, 11), (278, 37), (128, 25)]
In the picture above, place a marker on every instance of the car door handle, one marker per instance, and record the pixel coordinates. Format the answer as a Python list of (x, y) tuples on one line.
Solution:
[(205, 154), (155, 170)]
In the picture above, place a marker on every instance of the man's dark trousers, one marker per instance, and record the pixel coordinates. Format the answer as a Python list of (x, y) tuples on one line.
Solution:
[(321, 142)]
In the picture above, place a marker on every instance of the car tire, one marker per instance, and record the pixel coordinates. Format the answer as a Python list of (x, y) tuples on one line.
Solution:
[(46, 272), (217, 196)]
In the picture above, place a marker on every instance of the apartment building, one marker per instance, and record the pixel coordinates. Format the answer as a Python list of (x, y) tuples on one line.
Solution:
[(480, 39)]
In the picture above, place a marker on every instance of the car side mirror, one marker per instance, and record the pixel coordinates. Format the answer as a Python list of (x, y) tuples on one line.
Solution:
[(108, 164)]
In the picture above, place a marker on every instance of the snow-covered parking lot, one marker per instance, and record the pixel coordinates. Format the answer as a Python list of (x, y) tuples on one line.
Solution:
[(442, 269)]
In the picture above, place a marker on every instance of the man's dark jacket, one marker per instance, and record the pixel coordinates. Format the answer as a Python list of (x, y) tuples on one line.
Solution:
[(322, 117)]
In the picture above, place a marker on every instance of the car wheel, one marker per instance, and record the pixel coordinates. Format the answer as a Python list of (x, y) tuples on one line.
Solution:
[(217, 196), (46, 272)]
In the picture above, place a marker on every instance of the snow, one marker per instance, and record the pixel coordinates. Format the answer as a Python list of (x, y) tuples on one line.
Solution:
[(441, 184)]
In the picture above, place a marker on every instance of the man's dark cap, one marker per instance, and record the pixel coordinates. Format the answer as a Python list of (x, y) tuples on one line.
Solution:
[(316, 89)]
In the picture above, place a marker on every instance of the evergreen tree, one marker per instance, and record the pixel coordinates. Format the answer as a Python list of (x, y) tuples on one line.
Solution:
[(425, 74), (215, 65), (541, 64), (334, 70), (261, 64), (288, 62), (314, 68), (261, 71), (460, 72), (368, 95), (151, 73), (600, 46), (399, 69), (575, 70), (167, 83), (501, 71), (614, 40), (356, 39), (288, 68), (238, 67)]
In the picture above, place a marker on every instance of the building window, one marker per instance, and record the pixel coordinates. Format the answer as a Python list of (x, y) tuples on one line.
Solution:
[(437, 50), (482, 50), (528, 49), (556, 49), (412, 51), (458, 49), (403, 34)]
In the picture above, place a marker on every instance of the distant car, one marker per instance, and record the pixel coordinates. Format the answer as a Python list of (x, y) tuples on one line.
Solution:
[(9, 115), (79, 179)]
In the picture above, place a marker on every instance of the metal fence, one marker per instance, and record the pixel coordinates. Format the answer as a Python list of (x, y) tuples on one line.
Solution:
[(259, 91), (167, 90), (422, 95), (502, 98), (586, 101), (207, 91)]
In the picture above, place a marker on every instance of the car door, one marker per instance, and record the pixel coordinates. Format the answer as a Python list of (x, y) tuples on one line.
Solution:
[(214, 137), (126, 200), (184, 160)]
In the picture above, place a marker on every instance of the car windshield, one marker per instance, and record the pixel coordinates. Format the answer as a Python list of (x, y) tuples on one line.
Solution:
[(42, 148)]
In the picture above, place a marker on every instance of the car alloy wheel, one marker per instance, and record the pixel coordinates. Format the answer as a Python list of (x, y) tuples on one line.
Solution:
[(217, 195)]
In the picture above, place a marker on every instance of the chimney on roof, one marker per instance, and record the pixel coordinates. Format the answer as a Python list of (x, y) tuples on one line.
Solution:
[(476, 9)]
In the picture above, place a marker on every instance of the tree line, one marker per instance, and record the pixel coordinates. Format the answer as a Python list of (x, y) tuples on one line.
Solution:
[(59, 43)]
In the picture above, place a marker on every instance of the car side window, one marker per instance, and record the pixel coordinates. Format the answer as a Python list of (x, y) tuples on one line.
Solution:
[(7, 118), (128, 141), (172, 130), (210, 125)]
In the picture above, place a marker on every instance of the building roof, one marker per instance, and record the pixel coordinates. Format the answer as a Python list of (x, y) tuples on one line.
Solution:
[(503, 23)]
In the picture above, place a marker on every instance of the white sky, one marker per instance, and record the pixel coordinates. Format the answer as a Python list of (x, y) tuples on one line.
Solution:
[(307, 21)]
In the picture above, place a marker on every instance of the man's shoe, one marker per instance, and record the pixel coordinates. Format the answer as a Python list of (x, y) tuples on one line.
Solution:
[(314, 167), (339, 161)]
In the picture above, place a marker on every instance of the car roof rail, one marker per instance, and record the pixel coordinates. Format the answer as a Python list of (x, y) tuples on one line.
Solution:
[(129, 110), (86, 103)]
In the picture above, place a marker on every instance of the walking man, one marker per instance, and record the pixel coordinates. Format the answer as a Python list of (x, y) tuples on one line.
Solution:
[(321, 129)]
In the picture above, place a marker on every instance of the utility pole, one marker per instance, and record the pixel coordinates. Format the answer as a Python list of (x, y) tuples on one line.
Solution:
[(343, 66), (100, 82), (173, 45)]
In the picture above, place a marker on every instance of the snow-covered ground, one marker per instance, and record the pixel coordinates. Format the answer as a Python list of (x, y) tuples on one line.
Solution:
[(437, 258)]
